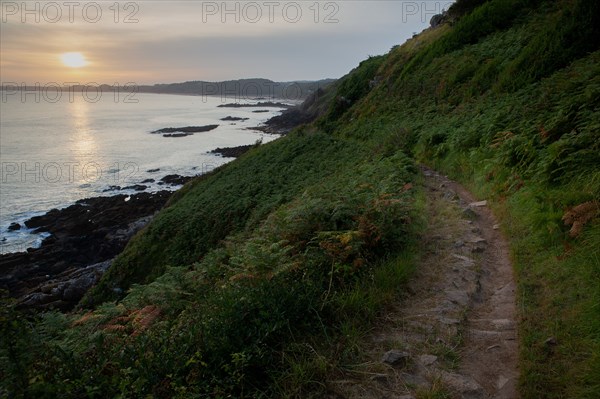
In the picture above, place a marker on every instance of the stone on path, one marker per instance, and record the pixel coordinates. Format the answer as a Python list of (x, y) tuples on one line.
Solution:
[(395, 358)]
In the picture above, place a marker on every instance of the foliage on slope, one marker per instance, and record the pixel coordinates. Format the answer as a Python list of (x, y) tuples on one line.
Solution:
[(514, 112), (230, 324), (252, 276), (231, 199)]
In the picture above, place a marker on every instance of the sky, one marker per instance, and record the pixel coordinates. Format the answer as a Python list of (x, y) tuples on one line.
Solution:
[(158, 41)]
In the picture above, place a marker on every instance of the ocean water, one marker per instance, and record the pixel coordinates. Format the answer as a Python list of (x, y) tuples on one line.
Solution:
[(54, 153)]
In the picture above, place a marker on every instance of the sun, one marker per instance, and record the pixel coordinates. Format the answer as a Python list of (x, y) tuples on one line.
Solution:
[(73, 60)]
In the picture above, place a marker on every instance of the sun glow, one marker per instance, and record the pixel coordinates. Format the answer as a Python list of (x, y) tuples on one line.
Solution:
[(73, 60)]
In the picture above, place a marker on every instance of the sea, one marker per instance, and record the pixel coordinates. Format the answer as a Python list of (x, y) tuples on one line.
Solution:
[(55, 151)]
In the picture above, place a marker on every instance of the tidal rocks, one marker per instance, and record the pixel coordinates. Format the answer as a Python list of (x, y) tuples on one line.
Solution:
[(136, 187), (233, 152), (267, 104), (90, 232), (14, 227), (111, 188), (234, 119), (184, 131), (175, 180)]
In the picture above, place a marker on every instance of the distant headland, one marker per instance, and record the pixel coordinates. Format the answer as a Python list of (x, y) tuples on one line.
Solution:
[(240, 89)]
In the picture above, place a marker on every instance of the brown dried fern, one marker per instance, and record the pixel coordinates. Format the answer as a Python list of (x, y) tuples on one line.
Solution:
[(143, 318), (83, 319), (115, 328), (136, 320), (579, 215)]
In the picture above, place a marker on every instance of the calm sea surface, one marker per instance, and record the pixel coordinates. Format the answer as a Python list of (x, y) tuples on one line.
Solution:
[(53, 154)]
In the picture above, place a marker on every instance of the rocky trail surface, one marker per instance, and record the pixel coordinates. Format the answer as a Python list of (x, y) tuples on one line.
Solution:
[(453, 335)]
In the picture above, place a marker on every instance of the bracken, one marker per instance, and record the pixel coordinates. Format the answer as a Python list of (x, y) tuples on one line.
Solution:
[(579, 215)]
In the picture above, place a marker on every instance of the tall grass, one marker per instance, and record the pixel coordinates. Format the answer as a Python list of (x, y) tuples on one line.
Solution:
[(229, 324), (234, 198), (261, 278)]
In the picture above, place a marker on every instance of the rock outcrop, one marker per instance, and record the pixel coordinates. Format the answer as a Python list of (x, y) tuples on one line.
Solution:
[(83, 239)]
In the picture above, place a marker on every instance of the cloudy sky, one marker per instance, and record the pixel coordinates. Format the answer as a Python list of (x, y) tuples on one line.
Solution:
[(172, 41)]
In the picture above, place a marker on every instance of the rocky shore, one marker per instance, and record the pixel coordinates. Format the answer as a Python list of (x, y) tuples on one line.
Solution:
[(83, 239), (234, 119), (265, 104), (184, 131), (233, 152)]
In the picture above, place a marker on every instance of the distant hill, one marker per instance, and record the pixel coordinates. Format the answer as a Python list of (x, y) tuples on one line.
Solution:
[(242, 88), (232, 90)]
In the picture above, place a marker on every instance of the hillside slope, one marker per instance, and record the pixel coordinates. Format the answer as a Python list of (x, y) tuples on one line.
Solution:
[(259, 279)]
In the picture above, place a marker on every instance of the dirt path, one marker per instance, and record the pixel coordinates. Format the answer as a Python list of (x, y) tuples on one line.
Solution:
[(454, 334)]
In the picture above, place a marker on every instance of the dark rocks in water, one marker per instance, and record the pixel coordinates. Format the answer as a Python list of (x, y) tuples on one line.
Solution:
[(187, 129), (153, 170), (14, 227), (260, 111), (111, 188), (267, 104), (175, 180), (234, 118), (82, 236), (268, 129), (233, 152), (136, 187)]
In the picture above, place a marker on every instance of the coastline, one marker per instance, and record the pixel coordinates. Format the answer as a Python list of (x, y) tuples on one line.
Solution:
[(48, 165), (81, 236), (79, 241)]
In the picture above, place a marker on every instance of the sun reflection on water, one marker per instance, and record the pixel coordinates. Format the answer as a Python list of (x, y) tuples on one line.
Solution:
[(83, 143)]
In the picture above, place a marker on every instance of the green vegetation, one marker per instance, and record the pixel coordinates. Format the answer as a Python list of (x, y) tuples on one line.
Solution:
[(258, 313), (235, 198), (259, 279)]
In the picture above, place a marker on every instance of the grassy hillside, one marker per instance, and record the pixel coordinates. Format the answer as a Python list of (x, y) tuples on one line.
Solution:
[(259, 279)]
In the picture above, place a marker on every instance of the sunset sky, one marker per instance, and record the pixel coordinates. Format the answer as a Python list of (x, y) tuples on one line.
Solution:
[(168, 41)]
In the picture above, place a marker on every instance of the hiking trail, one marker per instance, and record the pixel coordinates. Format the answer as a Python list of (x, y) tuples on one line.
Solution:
[(454, 333)]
